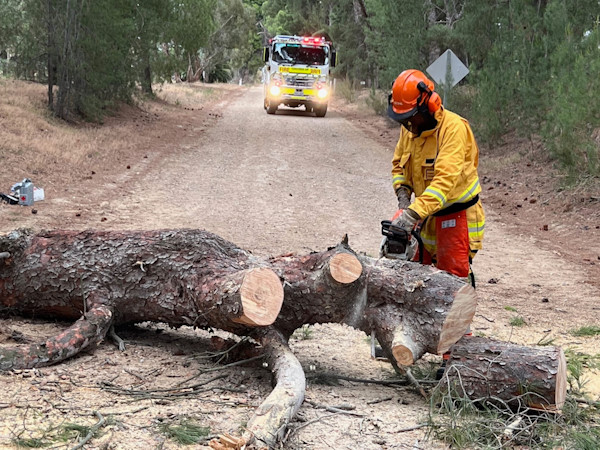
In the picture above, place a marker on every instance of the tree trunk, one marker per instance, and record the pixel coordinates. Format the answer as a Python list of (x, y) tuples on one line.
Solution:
[(181, 278), (519, 376), (51, 50), (147, 75), (192, 277)]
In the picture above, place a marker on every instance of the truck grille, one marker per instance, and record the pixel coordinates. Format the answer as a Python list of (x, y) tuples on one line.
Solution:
[(299, 80)]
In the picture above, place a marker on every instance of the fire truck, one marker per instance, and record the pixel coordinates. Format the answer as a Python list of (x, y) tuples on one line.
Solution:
[(297, 73)]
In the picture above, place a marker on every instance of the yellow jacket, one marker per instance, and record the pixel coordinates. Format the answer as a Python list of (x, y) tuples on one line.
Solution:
[(440, 167)]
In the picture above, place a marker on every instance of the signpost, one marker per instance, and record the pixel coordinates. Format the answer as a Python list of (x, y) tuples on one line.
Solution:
[(447, 71)]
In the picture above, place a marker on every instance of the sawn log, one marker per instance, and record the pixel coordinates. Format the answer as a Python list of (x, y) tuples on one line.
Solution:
[(514, 375), (193, 277)]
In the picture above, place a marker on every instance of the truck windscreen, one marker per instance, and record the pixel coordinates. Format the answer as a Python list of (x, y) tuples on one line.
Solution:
[(300, 54)]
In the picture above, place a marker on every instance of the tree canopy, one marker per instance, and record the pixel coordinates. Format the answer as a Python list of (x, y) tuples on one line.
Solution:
[(533, 63)]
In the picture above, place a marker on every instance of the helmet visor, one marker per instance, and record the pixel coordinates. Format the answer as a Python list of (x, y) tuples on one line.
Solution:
[(400, 117)]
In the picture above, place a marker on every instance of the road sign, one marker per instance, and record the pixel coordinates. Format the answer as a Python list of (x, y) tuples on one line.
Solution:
[(447, 70)]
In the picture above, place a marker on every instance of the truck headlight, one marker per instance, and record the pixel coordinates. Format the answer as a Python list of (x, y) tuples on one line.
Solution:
[(275, 90), (322, 93)]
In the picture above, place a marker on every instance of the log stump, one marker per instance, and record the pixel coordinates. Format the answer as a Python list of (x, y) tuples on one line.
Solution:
[(518, 376)]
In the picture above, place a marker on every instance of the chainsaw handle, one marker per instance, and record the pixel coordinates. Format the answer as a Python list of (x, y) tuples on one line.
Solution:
[(387, 231)]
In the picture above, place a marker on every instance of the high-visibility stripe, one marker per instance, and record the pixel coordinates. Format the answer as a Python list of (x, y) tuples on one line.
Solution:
[(476, 229), (469, 193), (427, 239), (398, 179), (432, 192)]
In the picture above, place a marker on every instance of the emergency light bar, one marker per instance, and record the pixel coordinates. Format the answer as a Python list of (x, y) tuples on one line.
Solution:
[(316, 40)]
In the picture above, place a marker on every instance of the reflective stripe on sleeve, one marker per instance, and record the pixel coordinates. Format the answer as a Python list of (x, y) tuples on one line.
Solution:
[(432, 192), (398, 179), (469, 193)]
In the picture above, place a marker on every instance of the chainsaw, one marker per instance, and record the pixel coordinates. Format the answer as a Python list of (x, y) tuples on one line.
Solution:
[(396, 244), (399, 244)]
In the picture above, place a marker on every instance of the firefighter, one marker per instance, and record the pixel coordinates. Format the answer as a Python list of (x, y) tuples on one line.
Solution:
[(436, 159)]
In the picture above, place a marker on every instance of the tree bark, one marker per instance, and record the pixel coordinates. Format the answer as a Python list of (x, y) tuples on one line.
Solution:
[(178, 277), (518, 376), (192, 277)]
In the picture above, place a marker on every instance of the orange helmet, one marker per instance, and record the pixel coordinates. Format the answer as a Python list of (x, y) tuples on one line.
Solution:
[(412, 92)]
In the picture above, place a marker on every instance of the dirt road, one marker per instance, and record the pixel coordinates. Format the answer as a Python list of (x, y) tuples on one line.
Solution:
[(274, 184), (269, 183)]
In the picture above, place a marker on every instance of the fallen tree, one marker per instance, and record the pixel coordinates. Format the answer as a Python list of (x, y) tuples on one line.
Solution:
[(191, 277), (508, 374)]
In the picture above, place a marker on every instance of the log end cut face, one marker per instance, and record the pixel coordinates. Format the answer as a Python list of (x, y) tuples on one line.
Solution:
[(560, 386), (261, 296), (345, 268), (459, 318)]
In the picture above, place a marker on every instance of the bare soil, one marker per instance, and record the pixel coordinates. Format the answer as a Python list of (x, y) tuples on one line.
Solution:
[(277, 184)]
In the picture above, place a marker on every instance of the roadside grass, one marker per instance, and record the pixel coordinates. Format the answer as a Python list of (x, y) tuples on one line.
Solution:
[(34, 144), (54, 153), (377, 101), (510, 308), (496, 163), (517, 321), (345, 89), (192, 95), (586, 331)]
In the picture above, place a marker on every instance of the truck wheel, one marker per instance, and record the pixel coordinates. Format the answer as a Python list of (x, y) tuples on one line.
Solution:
[(265, 104), (320, 110), (271, 107)]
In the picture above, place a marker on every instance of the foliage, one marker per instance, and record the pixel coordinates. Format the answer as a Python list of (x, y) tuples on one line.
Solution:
[(52, 435), (517, 321), (186, 433), (572, 117), (591, 330), (533, 65), (304, 333)]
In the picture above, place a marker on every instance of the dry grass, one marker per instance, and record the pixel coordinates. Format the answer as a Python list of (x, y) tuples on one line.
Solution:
[(192, 95), (51, 152)]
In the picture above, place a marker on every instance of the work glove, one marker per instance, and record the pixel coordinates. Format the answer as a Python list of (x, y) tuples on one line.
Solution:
[(403, 194), (406, 221)]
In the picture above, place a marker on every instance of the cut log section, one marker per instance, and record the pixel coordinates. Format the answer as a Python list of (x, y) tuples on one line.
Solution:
[(261, 297), (345, 268), (519, 376), (426, 312)]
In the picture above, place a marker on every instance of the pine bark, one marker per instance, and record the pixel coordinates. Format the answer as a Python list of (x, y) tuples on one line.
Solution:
[(514, 375), (192, 277)]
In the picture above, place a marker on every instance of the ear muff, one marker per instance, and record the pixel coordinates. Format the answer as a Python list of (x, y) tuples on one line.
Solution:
[(432, 102)]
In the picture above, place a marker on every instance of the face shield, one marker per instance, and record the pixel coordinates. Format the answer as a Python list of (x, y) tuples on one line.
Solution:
[(416, 120)]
